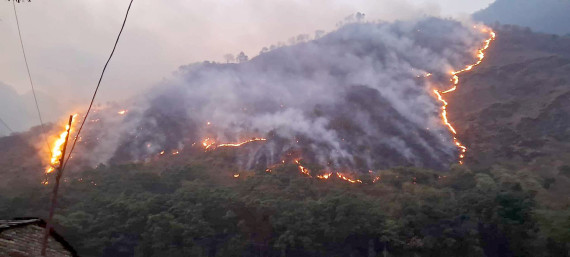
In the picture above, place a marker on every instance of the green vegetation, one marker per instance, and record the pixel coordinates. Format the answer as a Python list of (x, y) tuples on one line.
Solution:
[(196, 210)]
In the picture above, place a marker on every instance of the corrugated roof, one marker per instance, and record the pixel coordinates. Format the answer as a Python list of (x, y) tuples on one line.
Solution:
[(7, 224), (4, 224)]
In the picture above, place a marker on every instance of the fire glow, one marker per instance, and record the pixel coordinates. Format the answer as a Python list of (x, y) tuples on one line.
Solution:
[(341, 176), (209, 143), (455, 80), (56, 152)]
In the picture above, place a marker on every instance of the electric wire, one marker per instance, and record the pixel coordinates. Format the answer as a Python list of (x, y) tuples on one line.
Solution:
[(6, 125), (97, 88), (30, 78)]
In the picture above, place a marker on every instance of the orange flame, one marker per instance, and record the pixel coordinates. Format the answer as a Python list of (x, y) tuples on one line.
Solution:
[(210, 143), (207, 143), (455, 80), (339, 175), (242, 143), (343, 177), (57, 149), (303, 169), (376, 179), (325, 176)]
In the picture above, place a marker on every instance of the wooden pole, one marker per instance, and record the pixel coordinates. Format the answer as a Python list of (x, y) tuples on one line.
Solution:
[(55, 190)]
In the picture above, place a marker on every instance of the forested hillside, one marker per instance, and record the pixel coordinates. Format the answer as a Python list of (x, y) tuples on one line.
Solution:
[(510, 198), (196, 210)]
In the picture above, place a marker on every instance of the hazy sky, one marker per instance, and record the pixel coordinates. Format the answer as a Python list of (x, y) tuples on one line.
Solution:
[(68, 41)]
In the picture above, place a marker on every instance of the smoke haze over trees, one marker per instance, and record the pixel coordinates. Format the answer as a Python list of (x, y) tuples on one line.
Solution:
[(355, 98)]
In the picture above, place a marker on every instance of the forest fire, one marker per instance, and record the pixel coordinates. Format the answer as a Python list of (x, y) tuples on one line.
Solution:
[(306, 171), (303, 169), (455, 80), (210, 143), (242, 143), (343, 177), (325, 176), (207, 143), (56, 152)]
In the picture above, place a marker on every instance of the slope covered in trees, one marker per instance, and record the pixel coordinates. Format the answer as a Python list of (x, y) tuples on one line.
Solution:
[(199, 210)]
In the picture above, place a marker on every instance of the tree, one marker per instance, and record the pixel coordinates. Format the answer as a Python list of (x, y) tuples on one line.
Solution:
[(319, 33), (242, 57), (359, 16), (302, 38), (229, 58), (264, 50)]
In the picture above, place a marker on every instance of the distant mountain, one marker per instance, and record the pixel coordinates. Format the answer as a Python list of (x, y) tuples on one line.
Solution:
[(547, 16), (12, 110), (19, 110)]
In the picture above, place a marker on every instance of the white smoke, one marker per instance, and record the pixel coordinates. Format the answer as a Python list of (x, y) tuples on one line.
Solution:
[(354, 97)]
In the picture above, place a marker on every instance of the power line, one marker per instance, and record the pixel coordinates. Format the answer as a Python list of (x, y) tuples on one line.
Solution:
[(97, 88), (6, 125), (30, 76)]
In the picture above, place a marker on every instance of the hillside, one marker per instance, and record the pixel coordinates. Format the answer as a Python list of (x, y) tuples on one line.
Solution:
[(511, 198), (547, 16), (515, 107)]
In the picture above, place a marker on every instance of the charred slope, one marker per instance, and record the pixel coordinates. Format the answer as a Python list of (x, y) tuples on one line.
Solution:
[(515, 107), (353, 99)]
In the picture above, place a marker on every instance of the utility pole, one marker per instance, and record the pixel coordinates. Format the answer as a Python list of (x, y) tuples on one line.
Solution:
[(55, 190)]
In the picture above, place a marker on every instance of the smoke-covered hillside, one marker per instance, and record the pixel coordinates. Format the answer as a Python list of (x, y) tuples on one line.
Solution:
[(356, 98), (359, 84)]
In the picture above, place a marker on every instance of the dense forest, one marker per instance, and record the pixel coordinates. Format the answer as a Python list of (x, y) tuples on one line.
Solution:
[(196, 210)]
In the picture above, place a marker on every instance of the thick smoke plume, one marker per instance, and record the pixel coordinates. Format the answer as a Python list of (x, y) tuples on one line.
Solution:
[(355, 98)]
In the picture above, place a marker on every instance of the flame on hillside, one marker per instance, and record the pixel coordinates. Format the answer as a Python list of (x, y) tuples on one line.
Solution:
[(209, 143), (341, 176), (455, 80), (56, 151)]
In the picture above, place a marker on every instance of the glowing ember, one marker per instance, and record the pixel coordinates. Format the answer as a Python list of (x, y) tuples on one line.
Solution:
[(56, 152), (210, 143), (236, 175), (303, 169), (207, 143), (343, 177), (122, 112), (242, 143), (339, 175), (455, 80), (326, 176)]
